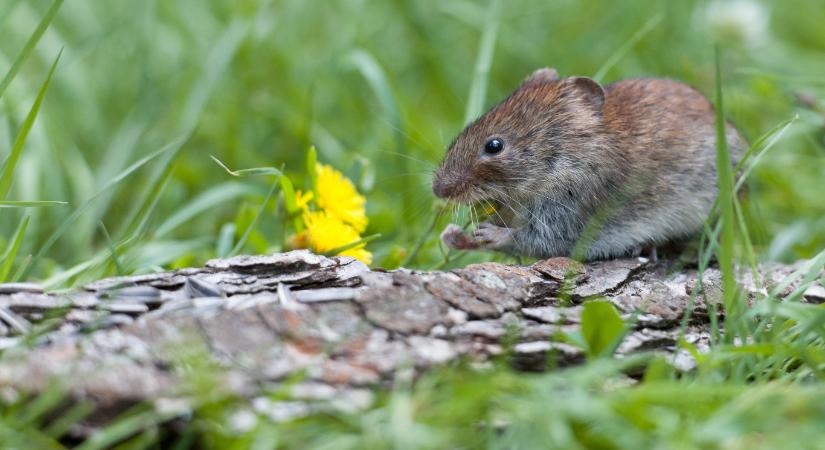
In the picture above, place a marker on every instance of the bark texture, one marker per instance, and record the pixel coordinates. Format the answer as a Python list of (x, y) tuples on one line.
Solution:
[(334, 325)]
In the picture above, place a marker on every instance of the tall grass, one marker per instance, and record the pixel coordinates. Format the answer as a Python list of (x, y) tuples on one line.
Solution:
[(380, 102)]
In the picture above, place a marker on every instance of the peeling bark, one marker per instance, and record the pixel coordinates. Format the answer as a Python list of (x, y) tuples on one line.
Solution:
[(342, 326)]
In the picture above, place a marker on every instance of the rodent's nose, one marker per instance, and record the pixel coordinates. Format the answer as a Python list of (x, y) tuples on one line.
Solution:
[(440, 188)]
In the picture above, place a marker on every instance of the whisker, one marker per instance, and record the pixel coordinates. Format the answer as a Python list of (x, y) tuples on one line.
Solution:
[(429, 164), (421, 174), (420, 142)]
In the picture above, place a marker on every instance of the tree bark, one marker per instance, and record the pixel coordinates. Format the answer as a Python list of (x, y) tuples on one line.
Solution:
[(333, 324)]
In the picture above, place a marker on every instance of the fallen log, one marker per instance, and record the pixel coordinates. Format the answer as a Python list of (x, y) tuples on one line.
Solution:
[(333, 324)]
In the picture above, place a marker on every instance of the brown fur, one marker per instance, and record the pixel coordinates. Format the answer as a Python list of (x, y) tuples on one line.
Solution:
[(638, 157)]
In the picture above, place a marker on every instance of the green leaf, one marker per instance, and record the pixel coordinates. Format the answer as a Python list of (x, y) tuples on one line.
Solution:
[(10, 164), (11, 251), (30, 44), (602, 328)]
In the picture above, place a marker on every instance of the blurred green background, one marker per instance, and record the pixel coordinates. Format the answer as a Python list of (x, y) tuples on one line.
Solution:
[(380, 87)]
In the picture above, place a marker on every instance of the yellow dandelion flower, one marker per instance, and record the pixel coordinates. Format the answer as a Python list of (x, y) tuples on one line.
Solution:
[(338, 196), (303, 199), (326, 232)]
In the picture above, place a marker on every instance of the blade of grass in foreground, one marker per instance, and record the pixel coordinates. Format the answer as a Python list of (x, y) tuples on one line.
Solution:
[(7, 173), (129, 424), (725, 183), (11, 251), (30, 44), (746, 164)]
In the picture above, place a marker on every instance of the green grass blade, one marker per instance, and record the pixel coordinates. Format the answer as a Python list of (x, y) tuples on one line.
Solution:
[(749, 160), (73, 416), (376, 77), (214, 66), (10, 164), (484, 59), (225, 237), (45, 402), (64, 226), (64, 276), (239, 245), (627, 46), (113, 253), (126, 426), (255, 171), (216, 63), (343, 248), (119, 152), (752, 157), (30, 204), (29, 47), (203, 202), (812, 266), (11, 251), (154, 255), (747, 243), (725, 182)]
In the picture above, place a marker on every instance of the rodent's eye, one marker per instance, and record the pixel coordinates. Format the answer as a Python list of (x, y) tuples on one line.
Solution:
[(493, 146)]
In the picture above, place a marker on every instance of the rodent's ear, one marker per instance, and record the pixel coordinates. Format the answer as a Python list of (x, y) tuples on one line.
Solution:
[(541, 76), (588, 89)]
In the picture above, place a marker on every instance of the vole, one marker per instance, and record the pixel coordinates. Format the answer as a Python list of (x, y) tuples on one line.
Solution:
[(573, 167)]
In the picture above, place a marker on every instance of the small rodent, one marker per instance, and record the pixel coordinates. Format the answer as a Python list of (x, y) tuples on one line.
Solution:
[(566, 162)]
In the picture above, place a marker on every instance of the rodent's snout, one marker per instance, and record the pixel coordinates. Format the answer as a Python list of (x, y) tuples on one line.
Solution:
[(447, 186), (441, 189)]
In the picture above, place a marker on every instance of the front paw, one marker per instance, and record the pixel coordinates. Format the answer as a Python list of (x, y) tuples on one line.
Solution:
[(454, 237), (492, 237)]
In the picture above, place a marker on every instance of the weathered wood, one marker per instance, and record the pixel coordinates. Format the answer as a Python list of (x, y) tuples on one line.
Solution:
[(345, 328)]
